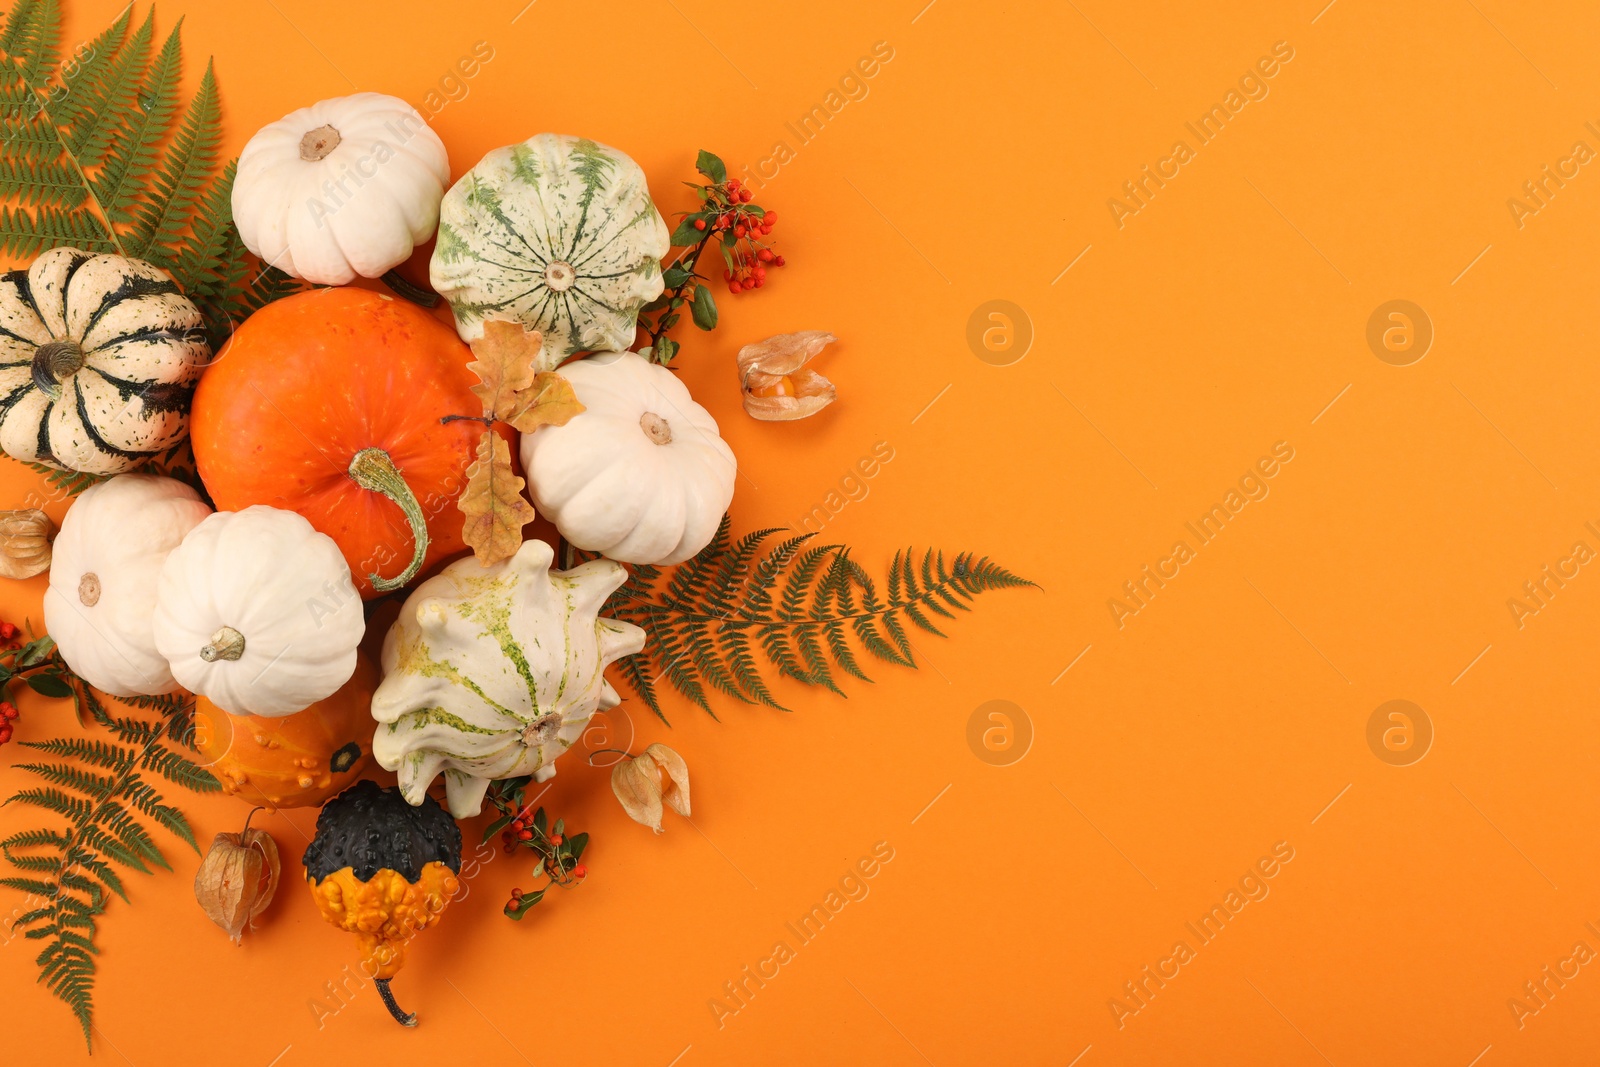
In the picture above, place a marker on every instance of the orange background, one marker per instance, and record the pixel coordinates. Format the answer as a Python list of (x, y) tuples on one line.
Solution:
[(1223, 718)]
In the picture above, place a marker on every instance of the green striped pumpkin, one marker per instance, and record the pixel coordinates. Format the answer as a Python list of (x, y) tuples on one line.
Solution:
[(557, 233), (493, 672), (99, 356)]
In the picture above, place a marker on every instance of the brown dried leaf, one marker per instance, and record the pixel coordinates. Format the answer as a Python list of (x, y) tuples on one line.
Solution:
[(493, 503), (547, 401), (507, 359), (237, 879), (777, 385)]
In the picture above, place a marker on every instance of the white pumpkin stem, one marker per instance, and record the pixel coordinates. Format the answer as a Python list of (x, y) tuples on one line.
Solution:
[(373, 470), (656, 428), (89, 589), (317, 143), (227, 643)]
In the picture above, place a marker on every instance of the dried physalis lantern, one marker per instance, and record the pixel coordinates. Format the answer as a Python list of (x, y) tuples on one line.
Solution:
[(24, 543), (777, 384), (237, 878), (644, 782)]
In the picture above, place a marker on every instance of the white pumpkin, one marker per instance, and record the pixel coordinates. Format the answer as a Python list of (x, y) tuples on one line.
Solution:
[(343, 188), (641, 476), (106, 563), (256, 612), (557, 233), (493, 672), (99, 356)]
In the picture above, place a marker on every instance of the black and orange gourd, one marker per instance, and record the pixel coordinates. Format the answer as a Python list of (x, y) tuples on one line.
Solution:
[(384, 871)]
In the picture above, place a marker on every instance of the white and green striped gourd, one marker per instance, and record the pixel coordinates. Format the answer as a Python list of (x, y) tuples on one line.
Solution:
[(493, 672), (99, 355), (557, 233)]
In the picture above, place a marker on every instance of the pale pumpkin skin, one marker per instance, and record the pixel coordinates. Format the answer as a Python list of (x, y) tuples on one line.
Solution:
[(256, 611), (642, 475), (104, 570), (557, 233), (494, 672), (99, 356), (344, 188)]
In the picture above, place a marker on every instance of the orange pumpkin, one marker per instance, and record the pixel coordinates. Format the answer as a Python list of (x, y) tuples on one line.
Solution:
[(295, 761), (329, 403)]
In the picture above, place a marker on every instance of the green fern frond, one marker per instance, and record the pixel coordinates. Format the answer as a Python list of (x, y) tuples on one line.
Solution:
[(811, 610), (98, 790), (100, 150)]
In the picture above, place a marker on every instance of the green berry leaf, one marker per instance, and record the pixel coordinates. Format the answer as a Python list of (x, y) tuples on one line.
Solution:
[(711, 167), (49, 685), (36, 651), (704, 308), (686, 234), (675, 276)]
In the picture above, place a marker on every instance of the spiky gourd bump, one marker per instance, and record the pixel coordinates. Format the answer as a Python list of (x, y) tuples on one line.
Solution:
[(493, 672), (557, 233)]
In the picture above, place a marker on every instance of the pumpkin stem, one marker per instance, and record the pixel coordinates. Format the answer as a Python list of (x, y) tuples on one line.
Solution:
[(402, 1017), (656, 428), (227, 643), (372, 469), (53, 362), (317, 143), (410, 290)]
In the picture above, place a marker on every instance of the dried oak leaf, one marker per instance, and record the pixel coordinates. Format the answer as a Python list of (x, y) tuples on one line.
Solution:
[(493, 503), (776, 383), (547, 401), (507, 357)]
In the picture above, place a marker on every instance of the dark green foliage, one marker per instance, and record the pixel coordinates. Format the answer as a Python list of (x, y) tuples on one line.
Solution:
[(807, 610), (100, 788), (98, 150)]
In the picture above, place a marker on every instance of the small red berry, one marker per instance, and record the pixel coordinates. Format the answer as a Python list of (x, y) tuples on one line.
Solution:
[(766, 228), (579, 871), (524, 835), (734, 287), (778, 262), (771, 217), (733, 183), (738, 231), (555, 839), (516, 894), (744, 196), (699, 224), (765, 255)]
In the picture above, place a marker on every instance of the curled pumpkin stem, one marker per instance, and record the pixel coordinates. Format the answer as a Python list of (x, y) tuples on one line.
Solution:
[(404, 1018), (372, 469), (410, 290)]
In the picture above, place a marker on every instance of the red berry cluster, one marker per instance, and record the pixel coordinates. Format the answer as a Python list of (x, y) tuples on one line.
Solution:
[(8, 715), (749, 259), (520, 830), (10, 635)]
